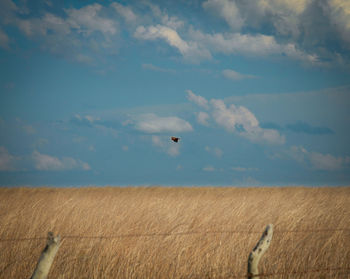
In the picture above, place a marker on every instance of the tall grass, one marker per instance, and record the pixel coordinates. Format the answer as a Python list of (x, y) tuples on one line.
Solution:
[(175, 232)]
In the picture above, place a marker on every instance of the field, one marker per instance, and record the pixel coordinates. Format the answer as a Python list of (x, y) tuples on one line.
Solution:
[(159, 232)]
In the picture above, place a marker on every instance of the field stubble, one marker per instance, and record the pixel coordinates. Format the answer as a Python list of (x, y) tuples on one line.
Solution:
[(156, 232)]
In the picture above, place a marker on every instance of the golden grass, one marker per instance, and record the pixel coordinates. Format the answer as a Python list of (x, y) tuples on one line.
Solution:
[(150, 226)]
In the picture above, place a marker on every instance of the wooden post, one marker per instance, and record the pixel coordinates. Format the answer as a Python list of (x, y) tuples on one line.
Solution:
[(258, 252), (47, 256)]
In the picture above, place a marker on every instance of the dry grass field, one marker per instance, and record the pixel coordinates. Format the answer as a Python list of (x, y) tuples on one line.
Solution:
[(175, 232)]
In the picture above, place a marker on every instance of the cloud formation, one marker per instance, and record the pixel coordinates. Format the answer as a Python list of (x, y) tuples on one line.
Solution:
[(197, 99), (165, 145), (233, 75), (157, 69), (202, 118), (153, 124), (238, 120), (77, 33), (250, 45), (216, 151), (299, 127), (243, 169), (7, 161), (311, 31), (318, 161), (125, 11), (46, 162), (4, 39), (227, 10), (308, 30), (190, 50)]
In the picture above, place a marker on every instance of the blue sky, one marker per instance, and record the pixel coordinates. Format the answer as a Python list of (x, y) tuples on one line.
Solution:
[(257, 92)]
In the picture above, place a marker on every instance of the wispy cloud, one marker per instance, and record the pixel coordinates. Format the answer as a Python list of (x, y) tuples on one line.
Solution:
[(27, 128), (250, 45), (233, 75), (125, 11), (317, 160), (76, 33), (165, 145), (106, 127), (216, 151), (197, 99), (190, 50), (153, 124), (243, 169), (202, 118), (157, 69), (303, 127), (299, 127), (4, 39), (46, 162), (228, 10), (209, 169), (7, 161)]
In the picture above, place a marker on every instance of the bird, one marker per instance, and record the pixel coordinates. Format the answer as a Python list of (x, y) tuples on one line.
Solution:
[(175, 139)]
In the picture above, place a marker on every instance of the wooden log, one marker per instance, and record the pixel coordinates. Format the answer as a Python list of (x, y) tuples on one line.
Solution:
[(258, 252), (47, 256)]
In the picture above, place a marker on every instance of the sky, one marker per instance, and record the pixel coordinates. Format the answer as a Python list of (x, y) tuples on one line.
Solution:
[(257, 91)]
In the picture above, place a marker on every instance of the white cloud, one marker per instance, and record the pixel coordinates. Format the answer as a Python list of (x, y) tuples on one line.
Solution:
[(233, 75), (227, 10), (151, 123), (107, 130), (202, 118), (340, 16), (197, 99), (305, 30), (165, 145), (76, 34), (238, 119), (232, 117), (190, 50), (283, 15), (316, 160), (171, 21), (251, 45), (7, 161), (216, 151), (243, 121), (86, 120), (87, 20), (321, 161), (156, 68), (126, 12), (162, 32), (49, 163)]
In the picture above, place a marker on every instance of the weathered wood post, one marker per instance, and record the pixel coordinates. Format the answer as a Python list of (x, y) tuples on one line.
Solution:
[(258, 252), (47, 256)]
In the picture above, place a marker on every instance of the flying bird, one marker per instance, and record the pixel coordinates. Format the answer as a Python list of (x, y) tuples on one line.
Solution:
[(174, 139)]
